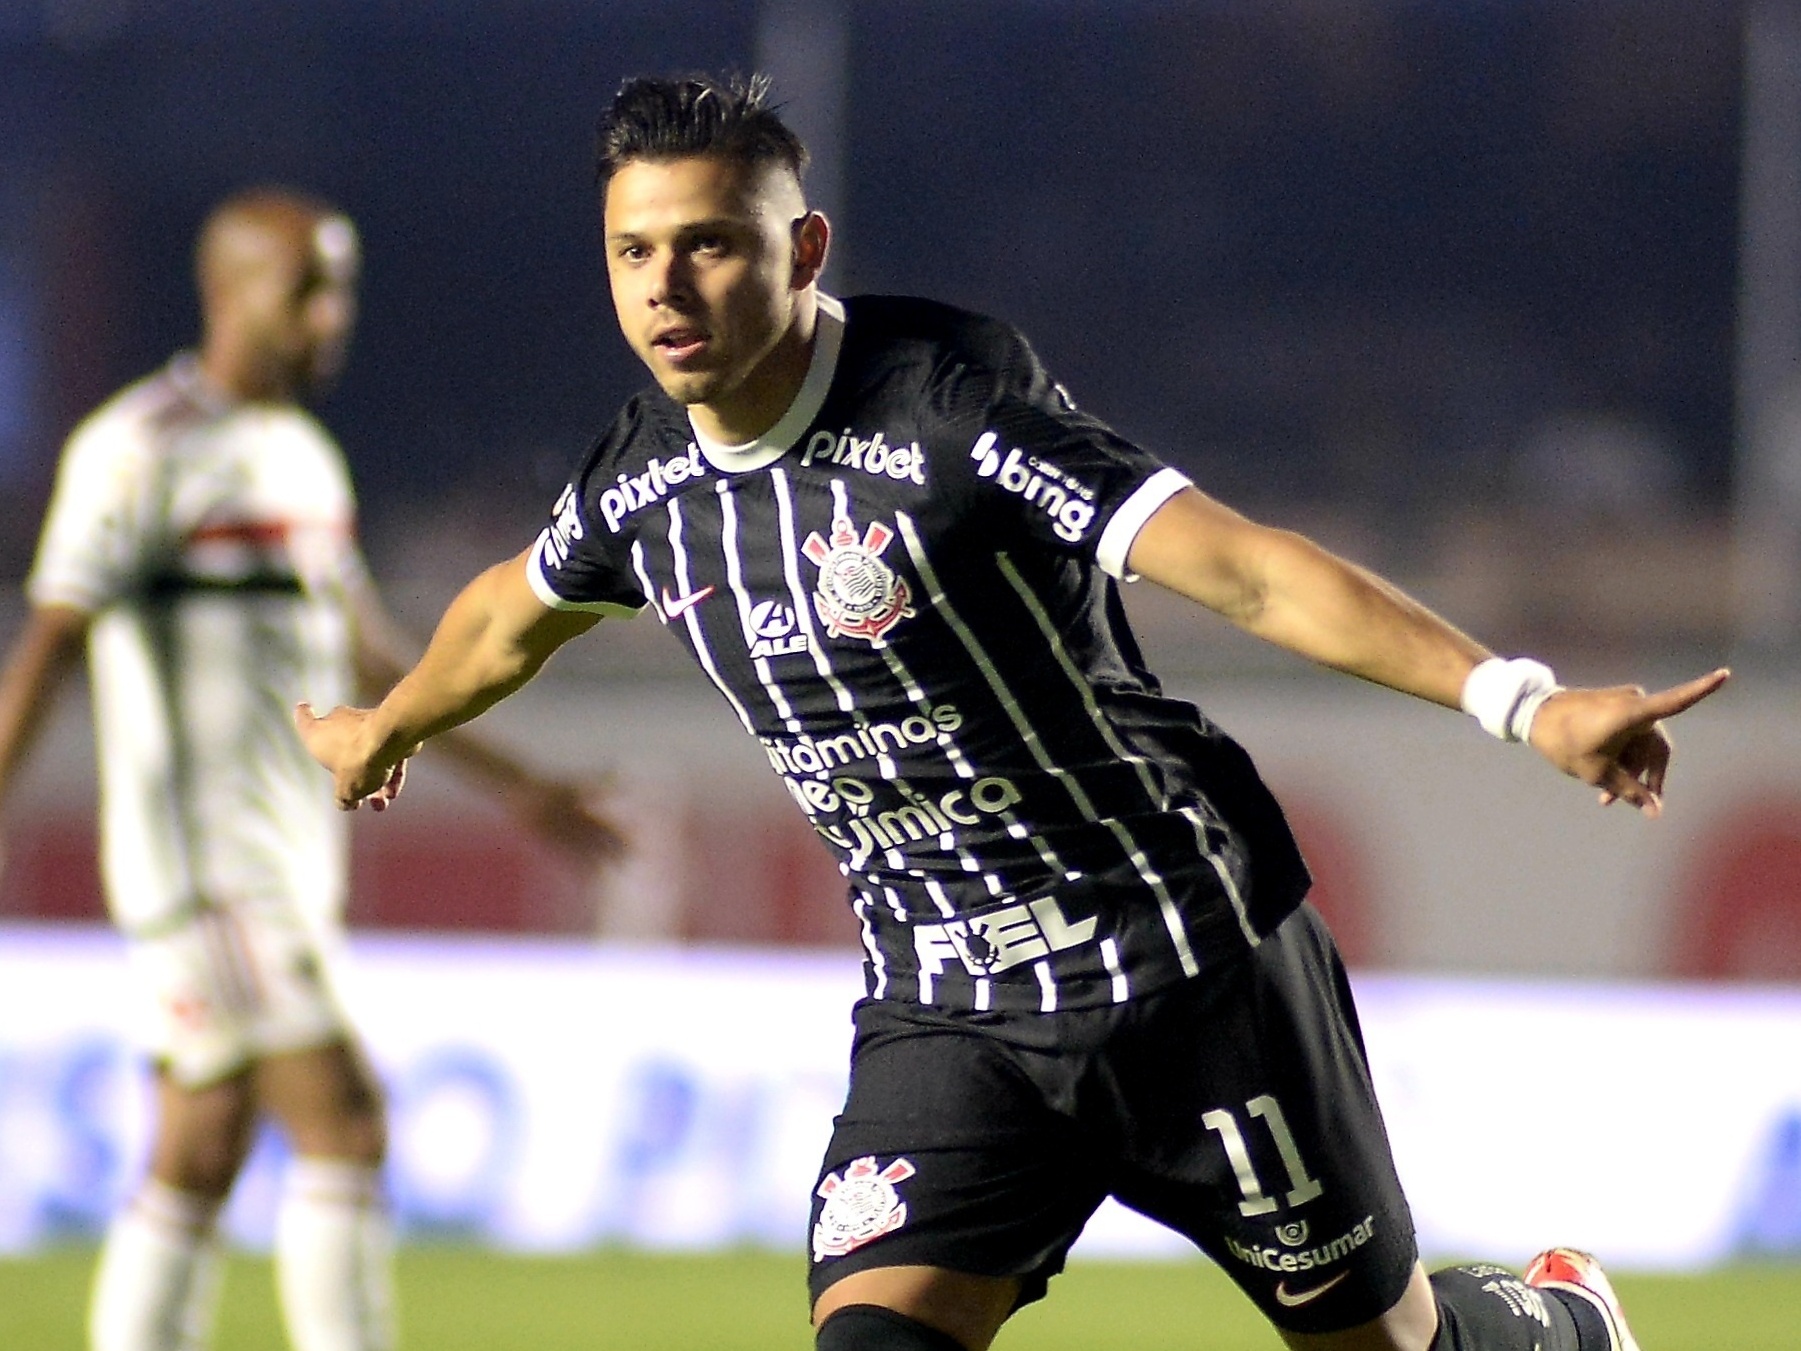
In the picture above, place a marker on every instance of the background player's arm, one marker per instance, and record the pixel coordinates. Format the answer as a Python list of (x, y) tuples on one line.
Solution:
[(493, 639), (1284, 588), (42, 657), (565, 812)]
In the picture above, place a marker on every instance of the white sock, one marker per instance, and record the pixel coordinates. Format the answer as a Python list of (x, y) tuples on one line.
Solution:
[(158, 1278), (333, 1256)]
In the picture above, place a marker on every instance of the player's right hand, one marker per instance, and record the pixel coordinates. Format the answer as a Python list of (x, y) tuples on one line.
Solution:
[(1614, 740), (345, 742)]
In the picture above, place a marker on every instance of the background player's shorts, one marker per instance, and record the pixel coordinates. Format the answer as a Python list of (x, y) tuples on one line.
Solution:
[(230, 985), (1235, 1108)]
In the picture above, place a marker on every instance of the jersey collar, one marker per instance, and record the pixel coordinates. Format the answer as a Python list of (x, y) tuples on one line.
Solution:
[(828, 337), (186, 375)]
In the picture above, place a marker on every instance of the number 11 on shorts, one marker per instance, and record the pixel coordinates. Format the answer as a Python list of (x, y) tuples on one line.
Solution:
[(1301, 1187)]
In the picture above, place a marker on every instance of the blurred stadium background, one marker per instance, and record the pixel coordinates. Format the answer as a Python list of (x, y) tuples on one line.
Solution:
[(1503, 299)]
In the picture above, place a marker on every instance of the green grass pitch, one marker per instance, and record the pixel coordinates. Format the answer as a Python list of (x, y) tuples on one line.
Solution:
[(464, 1299)]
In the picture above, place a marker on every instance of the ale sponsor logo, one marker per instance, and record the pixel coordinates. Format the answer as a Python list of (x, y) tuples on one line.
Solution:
[(771, 630)]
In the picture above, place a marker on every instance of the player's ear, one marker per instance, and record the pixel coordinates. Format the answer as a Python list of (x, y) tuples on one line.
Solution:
[(812, 241)]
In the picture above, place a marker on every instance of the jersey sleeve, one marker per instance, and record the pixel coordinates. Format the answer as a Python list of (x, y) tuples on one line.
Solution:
[(101, 531), (1061, 477), (575, 564)]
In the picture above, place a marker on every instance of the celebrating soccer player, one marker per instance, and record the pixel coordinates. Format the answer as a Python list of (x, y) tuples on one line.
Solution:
[(894, 545)]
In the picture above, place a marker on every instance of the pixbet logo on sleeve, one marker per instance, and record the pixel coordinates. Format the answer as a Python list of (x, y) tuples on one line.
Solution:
[(631, 492), (1043, 485)]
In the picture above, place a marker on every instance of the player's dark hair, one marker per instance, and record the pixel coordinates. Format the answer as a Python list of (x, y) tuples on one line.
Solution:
[(664, 117)]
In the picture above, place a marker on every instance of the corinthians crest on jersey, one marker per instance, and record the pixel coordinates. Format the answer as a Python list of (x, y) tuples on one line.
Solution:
[(858, 595)]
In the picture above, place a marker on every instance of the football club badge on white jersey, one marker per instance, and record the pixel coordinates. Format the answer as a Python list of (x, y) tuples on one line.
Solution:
[(859, 596), (861, 1204)]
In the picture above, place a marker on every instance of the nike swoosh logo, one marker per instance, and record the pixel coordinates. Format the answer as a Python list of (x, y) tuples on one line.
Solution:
[(675, 606), (1293, 1299)]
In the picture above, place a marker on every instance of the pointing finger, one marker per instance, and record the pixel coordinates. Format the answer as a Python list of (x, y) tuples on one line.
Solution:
[(1676, 699)]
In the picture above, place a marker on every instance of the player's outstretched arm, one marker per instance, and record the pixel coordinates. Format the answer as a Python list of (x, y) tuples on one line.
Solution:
[(494, 638), (1286, 589), (40, 659), (568, 814)]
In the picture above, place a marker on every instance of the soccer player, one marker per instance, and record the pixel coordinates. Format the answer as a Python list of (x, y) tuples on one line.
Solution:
[(894, 545), (199, 542)]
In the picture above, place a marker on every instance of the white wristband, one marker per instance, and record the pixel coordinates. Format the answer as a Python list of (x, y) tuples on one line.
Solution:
[(1505, 694)]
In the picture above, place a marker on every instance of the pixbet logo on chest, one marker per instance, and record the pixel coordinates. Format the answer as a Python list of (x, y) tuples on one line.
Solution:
[(874, 456)]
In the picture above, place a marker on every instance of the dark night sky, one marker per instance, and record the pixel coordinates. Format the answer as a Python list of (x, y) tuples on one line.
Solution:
[(1347, 252)]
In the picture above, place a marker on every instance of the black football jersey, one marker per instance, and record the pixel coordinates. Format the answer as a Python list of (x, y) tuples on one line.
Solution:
[(907, 593)]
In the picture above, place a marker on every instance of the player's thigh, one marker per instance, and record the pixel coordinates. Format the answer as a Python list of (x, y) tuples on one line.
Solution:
[(203, 1133), (327, 1099), (968, 1308), (947, 1156), (1252, 1127)]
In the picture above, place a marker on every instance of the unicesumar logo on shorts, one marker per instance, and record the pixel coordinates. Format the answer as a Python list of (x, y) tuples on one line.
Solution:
[(859, 596), (861, 1205)]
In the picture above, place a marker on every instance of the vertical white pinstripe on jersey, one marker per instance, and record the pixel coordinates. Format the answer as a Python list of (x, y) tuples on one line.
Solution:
[(734, 575), (803, 608), (928, 574), (1122, 988), (861, 906), (696, 634), (1152, 790)]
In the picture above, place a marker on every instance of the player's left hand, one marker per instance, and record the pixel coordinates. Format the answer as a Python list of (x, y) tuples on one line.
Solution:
[(1614, 738), (570, 817)]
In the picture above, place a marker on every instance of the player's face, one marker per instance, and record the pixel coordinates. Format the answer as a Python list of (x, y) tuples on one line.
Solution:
[(299, 307), (702, 259)]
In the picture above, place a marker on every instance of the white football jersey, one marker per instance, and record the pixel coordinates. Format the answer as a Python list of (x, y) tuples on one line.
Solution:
[(213, 543)]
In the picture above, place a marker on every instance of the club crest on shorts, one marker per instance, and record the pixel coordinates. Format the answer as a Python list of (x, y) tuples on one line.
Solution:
[(859, 596), (861, 1205)]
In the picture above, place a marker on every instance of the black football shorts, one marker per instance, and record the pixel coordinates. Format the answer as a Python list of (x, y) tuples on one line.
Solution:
[(1235, 1108)]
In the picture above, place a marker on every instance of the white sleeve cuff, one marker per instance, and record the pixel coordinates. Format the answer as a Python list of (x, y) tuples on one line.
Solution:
[(1116, 540), (41, 590)]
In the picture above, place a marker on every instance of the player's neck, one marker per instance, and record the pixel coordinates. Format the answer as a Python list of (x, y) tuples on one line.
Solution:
[(760, 399), (241, 376)]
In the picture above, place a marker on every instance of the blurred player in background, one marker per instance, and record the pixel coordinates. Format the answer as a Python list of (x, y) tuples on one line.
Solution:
[(893, 543), (200, 544)]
